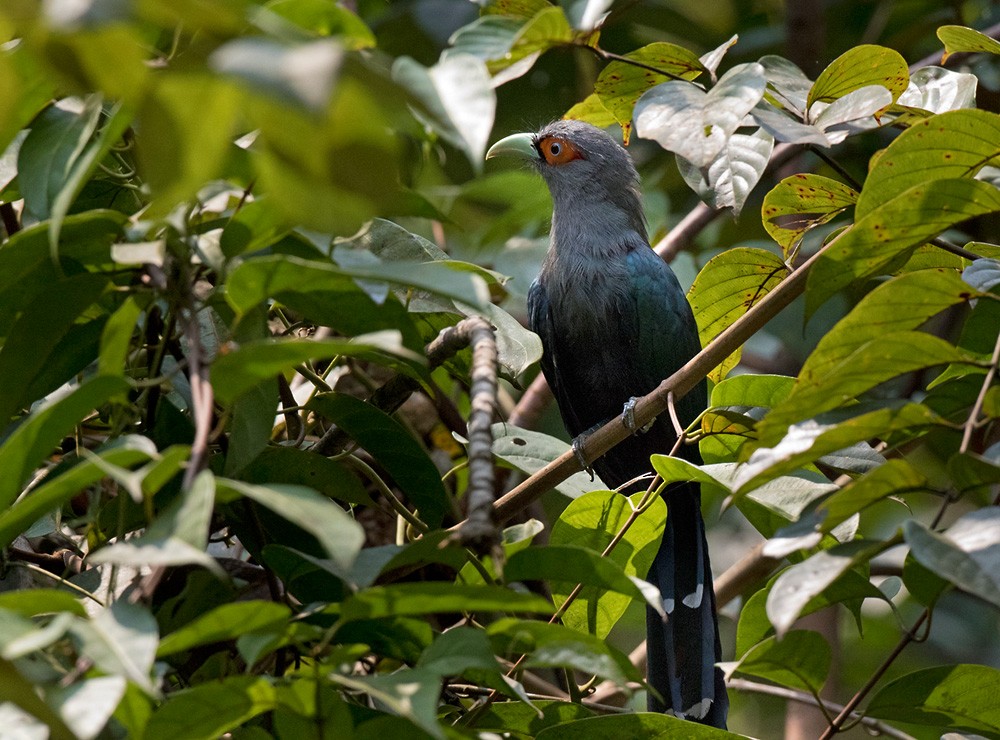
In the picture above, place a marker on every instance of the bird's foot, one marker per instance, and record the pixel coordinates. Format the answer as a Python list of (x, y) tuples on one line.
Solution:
[(581, 458), (628, 417)]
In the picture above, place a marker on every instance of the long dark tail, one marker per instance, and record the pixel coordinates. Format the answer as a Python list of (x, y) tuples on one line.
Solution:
[(682, 651)]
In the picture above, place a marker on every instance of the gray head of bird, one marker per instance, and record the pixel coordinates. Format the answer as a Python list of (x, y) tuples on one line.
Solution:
[(583, 166)]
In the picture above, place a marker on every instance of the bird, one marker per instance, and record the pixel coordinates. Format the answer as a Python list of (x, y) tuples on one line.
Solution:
[(614, 322)]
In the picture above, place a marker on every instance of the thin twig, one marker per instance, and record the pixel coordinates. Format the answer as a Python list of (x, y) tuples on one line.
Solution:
[(803, 697), (970, 423)]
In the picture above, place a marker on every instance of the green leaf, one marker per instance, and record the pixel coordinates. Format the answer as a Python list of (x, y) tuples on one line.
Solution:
[(18, 690), (121, 640), (456, 99), (859, 67), (292, 465), (851, 357), (591, 522), (517, 717), (637, 724), (409, 693), (956, 144), (340, 535), (697, 125), (958, 39), (800, 660), (959, 697), (849, 589), (58, 138), (60, 488), (885, 234), (727, 181), (556, 646), (326, 19), (591, 110), (892, 478), (966, 555), (801, 202), (187, 121), (35, 601), (621, 84), (34, 337), (226, 622), (800, 583), (395, 449), (726, 288), (530, 451), (412, 599), (238, 371), (212, 709), (40, 433), (810, 440), (87, 705), (569, 564), (116, 338), (178, 536)]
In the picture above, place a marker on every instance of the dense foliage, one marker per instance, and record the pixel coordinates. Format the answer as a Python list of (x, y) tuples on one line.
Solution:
[(246, 397)]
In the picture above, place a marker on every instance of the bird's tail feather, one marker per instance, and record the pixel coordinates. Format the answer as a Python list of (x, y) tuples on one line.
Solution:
[(683, 649)]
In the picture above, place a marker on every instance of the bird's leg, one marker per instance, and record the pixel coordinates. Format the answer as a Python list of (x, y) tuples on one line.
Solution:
[(628, 417), (579, 442)]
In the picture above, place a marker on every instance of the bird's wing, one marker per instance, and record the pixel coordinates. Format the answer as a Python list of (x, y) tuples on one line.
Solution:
[(541, 322), (666, 335)]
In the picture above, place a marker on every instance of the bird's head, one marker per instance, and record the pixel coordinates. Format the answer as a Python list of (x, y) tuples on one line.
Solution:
[(582, 165)]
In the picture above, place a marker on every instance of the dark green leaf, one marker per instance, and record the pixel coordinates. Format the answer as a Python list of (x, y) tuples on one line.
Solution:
[(633, 725), (395, 449), (226, 622), (340, 535), (212, 709), (959, 697), (800, 660), (41, 432), (966, 555), (552, 645), (410, 599)]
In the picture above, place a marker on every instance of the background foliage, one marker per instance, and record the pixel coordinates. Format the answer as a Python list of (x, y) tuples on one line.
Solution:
[(233, 234)]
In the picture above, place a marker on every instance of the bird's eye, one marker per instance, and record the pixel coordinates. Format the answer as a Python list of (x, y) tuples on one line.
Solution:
[(558, 151)]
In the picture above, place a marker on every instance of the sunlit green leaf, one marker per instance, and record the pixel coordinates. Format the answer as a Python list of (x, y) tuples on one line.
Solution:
[(726, 288), (800, 202), (958, 39), (863, 65), (956, 144), (591, 521), (694, 124), (530, 451), (621, 84)]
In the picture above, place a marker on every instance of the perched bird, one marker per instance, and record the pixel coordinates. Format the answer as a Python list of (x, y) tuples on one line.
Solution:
[(614, 322)]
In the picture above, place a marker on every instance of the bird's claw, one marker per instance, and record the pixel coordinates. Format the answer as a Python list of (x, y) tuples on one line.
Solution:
[(628, 417), (580, 457)]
